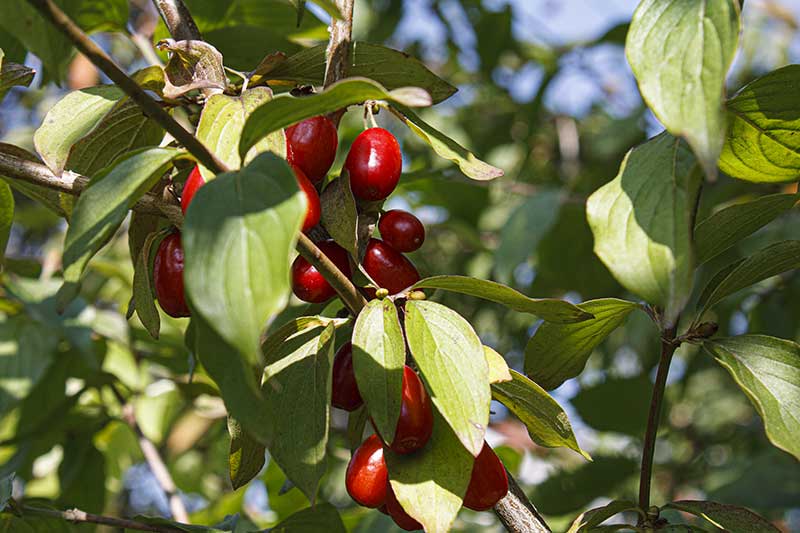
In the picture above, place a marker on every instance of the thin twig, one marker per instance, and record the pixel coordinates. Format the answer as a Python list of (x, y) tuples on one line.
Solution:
[(150, 107), (178, 19), (348, 292), (668, 347), (517, 513), (77, 516)]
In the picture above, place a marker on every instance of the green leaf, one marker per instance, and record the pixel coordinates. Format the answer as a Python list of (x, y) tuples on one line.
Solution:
[(391, 68), (245, 456), (285, 110), (592, 518), (549, 309), (23, 22), (445, 147), (122, 130), (643, 220), (498, 368), (768, 371), (680, 52), (321, 517), (143, 300), (558, 352), (547, 423), (6, 486), (379, 356), (102, 207), (297, 390), (82, 475), (771, 261), (6, 217), (72, 118), (430, 483), (728, 226), (728, 517), (271, 345), (238, 236), (600, 405), (177, 526), (524, 229), (192, 65), (339, 214), (451, 359), (761, 145), (221, 123), (13, 75)]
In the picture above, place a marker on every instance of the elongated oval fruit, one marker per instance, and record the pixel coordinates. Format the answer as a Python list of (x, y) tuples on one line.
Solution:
[(415, 425), (193, 182), (313, 209), (345, 394), (488, 482), (311, 146), (401, 230), (374, 163), (367, 478), (308, 284), (389, 268), (168, 276)]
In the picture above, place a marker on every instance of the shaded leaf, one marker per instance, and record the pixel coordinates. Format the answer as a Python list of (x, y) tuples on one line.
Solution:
[(339, 214), (768, 371), (558, 352), (239, 232), (550, 309), (680, 52), (6, 486), (451, 359), (6, 217), (285, 110), (592, 518), (144, 303), (643, 220), (728, 517), (600, 405), (271, 345), (547, 423), (192, 65), (245, 456), (728, 226), (13, 75), (762, 145), (321, 517)]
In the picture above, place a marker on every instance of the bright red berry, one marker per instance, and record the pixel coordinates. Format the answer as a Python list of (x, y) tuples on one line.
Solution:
[(345, 390), (168, 276), (374, 163), (193, 182), (401, 230), (398, 514), (415, 425), (311, 146), (488, 482), (308, 284), (367, 478), (314, 209), (389, 268)]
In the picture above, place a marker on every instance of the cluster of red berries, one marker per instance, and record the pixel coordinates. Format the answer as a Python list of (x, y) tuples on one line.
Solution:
[(367, 477)]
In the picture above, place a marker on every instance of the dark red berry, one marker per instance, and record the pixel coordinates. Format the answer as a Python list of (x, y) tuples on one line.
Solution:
[(345, 390), (488, 482), (314, 210), (398, 514), (401, 230), (308, 284), (415, 425), (389, 268), (168, 276), (311, 146), (374, 163), (367, 478), (193, 182)]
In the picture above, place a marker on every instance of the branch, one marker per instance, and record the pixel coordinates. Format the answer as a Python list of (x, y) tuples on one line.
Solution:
[(150, 107), (70, 183), (338, 53), (179, 21), (348, 292), (76, 516), (517, 513)]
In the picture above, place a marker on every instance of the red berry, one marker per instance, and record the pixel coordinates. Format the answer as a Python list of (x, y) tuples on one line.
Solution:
[(193, 182), (401, 230), (168, 276), (398, 514), (415, 425), (314, 210), (374, 163), (389, 268), (311, 146), (308, 284), (367, 478), (488, 482), (345, 390)]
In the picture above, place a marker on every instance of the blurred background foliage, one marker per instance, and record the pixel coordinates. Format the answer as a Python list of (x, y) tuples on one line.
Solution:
[(546, 94)]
